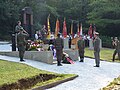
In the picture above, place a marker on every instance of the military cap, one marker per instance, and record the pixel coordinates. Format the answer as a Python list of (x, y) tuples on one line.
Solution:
[(96, 33)]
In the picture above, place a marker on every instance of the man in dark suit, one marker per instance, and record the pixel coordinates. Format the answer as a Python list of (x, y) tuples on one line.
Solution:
[(96, 44), (59, 44)]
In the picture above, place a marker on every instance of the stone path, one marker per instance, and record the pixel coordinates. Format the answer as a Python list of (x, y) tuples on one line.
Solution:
[(90, 78)]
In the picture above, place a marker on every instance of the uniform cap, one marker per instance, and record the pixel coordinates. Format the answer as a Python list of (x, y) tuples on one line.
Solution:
[(96, 33)]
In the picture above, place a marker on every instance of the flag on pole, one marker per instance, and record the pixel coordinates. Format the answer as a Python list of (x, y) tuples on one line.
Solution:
[(78, 30), (64, 29), (57, 29), (48, 27), (81, 32), (90, 31), (94, 29), (71, 29)]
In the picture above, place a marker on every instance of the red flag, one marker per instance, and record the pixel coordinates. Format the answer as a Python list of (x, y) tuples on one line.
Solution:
[(64, 29), (57, 29), (90, 31)]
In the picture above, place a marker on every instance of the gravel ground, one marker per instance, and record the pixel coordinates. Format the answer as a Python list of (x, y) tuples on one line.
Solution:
[(90, 78)]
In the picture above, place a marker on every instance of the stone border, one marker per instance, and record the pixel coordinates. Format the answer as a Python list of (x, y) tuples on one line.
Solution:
[(54, 83)]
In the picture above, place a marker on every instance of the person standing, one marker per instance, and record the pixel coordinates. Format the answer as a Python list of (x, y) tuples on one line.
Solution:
[(96, 44), (18, 27), (21, 43), (116, 44), (81, 47), (59, 44)]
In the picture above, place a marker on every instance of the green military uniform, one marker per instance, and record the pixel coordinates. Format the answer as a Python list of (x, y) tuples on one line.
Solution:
[(59, 49), (17, 28), (117, 50), (96, 44), (81, 47), (21, 44)]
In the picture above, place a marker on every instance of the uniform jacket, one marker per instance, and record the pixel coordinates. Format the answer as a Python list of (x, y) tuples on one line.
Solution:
[(81, 45), (21, 39), (96, 44), (59, 44)]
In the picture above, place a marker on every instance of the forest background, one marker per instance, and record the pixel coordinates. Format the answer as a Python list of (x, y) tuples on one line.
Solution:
[(105, 14)]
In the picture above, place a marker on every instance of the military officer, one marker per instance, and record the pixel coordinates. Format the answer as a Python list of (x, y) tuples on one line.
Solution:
[(81, 47), (116, 44), (96, 43), (21, 43), (59, 44)]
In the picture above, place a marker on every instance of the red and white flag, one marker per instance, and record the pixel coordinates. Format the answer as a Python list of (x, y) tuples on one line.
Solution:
[(64, 29)]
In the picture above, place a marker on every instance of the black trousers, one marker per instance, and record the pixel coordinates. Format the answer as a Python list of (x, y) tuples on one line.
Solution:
[(59, 54), (114, 54)]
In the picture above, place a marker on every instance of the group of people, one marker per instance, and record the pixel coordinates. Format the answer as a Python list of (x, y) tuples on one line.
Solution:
[(59, 45), (96, 44), (21, 35)]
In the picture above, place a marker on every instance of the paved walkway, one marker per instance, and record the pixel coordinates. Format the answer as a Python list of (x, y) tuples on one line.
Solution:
[(90, 78)]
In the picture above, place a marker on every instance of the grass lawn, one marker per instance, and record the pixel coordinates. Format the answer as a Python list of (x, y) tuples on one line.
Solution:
[(11, 72), (105, 54)]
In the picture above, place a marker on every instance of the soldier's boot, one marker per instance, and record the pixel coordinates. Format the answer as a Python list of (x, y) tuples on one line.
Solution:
[(21, 59), (82, 60), (59, 64), (113, 58)]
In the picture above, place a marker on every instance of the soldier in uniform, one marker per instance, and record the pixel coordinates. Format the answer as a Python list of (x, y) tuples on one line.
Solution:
[(21, 43), (81, 47), (116, 44), (59, 44), (96, 44), (18, 27)]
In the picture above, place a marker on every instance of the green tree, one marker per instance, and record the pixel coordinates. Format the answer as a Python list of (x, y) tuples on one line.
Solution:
[(106, 15)]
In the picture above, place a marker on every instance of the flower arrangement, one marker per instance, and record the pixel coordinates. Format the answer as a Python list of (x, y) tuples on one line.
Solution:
[(36, 45)]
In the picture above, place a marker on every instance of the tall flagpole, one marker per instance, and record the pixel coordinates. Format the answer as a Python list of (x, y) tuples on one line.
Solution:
[(57, 29), (81, 32), (71, 31), (78, 30), (64, 29), (48, 26)]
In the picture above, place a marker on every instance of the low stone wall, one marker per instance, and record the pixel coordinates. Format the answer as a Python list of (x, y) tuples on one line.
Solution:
[(72, 53), (42, 56)]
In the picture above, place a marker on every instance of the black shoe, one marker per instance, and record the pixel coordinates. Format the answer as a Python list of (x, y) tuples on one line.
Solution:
[(96, 66), (22, 60), (81, 61), (59, 65)]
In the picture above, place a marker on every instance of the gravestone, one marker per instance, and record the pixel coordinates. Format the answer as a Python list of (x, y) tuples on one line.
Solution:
[(66, 43)]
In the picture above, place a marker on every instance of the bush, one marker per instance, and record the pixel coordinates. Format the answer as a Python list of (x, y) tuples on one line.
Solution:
[(106, 41)]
